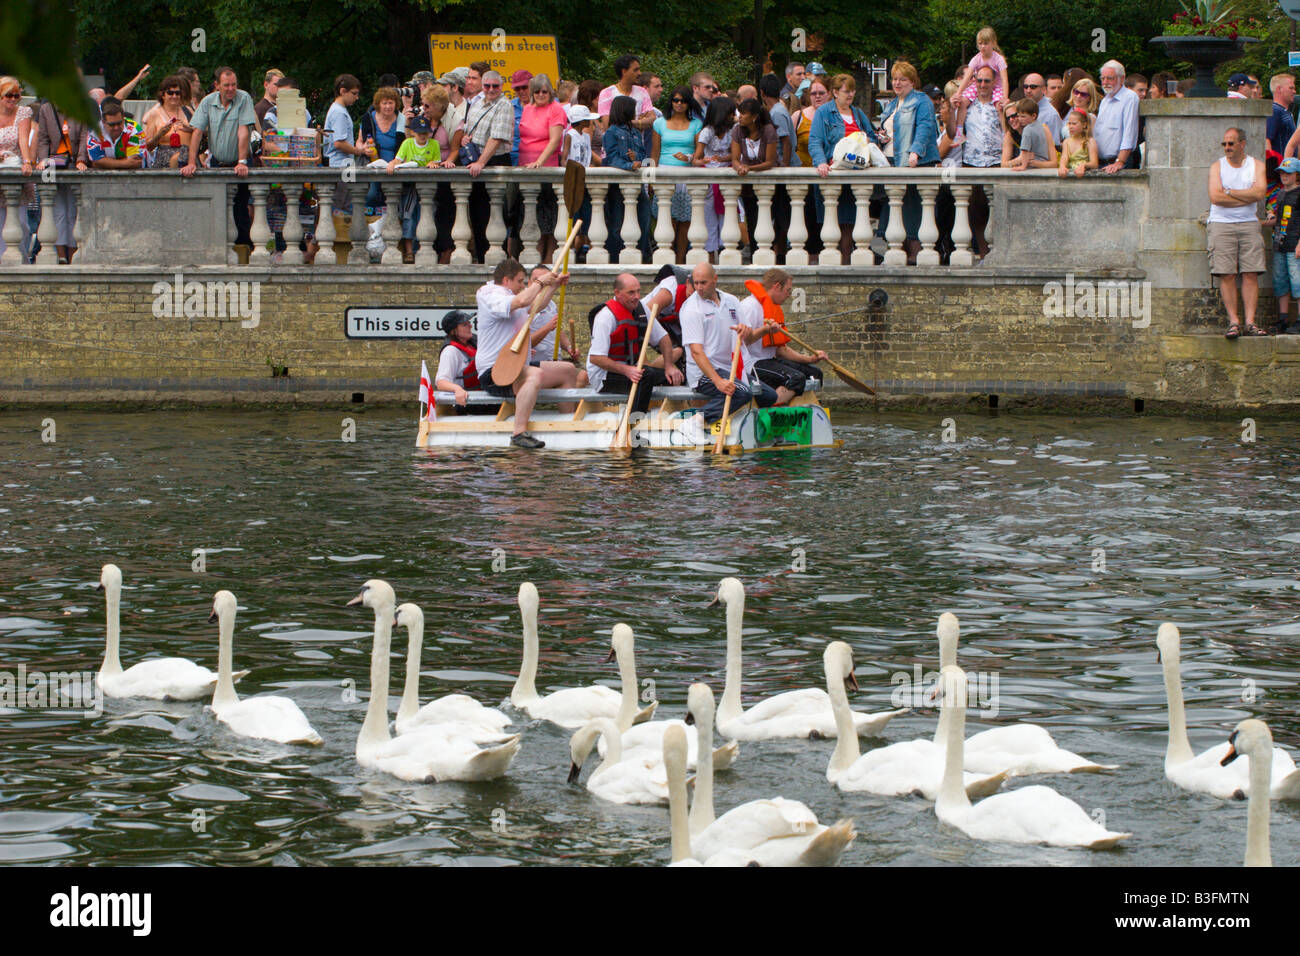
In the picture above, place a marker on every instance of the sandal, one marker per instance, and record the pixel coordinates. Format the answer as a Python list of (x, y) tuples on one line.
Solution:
[(1234, 330), (1253, 329)]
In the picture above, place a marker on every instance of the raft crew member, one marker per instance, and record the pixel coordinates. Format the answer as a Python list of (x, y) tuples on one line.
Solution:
[(497, 300), (616, 335), (674, 286), (775, 362), (543, 337), (710, 319), (456, 370)]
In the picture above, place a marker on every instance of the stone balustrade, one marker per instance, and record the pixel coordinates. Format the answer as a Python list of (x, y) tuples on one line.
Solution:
[(156, 217)]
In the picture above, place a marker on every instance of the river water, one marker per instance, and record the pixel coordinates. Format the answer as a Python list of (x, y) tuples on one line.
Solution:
[(1061, 543)]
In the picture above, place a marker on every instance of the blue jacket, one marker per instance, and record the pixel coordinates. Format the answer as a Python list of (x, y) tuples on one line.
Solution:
[(519, 113), (925, 131), (618, 140), (828, 129)]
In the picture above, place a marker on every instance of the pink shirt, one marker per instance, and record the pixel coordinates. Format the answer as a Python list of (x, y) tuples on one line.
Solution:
[(535, 126), (997, 63), (643, 104)]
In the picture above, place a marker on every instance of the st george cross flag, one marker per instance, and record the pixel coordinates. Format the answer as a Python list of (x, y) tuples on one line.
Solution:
[(426, 390)]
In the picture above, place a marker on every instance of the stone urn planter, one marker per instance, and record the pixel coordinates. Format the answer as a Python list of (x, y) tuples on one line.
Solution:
[(1205, 53)]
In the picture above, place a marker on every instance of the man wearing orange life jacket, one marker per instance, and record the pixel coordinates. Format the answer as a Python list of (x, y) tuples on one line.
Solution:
[(777, 365), (616, 334)]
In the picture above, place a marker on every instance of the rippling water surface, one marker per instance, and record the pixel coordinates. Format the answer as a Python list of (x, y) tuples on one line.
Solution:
[(1061, 543)]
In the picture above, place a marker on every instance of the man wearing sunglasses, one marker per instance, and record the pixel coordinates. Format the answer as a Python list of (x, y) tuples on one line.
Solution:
[(1036, 90), (1236, 246), (704, 88)]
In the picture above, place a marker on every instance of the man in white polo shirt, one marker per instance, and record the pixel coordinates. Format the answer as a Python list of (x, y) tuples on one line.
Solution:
[(616, 334), (710, 321), (497, 301)]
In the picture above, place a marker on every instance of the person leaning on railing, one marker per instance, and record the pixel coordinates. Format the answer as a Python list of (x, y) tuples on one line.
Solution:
[(908, 120), (831, 123), (15, 149), (227, 116), (167, 127)]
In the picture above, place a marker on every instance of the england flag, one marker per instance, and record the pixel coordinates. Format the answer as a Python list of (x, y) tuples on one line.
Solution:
[(426, 391)]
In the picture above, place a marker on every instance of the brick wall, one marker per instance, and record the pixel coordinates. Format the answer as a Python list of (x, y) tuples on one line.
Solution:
[(71, 335)]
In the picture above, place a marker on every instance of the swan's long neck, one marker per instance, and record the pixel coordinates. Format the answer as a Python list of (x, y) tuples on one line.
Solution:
[(112, 601), (374, 731), (1257, 843), (952, 792), (627, 706), (702, 808), (677, 809), (525, 689), (947, 647), (846, 743), (730, 708), (411, 692), (1179, 749), (225, 694), (613, 735)]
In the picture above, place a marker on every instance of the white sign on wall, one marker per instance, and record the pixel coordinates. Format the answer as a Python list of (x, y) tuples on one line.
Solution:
[(397, 322)]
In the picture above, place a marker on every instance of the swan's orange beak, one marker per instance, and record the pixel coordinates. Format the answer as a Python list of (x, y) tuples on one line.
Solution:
[(1232, 754), (356, 600), (851, 681)]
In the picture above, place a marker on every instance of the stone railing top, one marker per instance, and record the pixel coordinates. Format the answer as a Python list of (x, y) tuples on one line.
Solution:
[(1226, 106)]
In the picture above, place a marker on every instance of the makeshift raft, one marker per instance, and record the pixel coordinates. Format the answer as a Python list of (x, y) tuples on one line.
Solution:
[(802, 424)]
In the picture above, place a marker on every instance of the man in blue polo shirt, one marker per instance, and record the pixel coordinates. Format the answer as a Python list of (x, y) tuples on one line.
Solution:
[(1281, 127)]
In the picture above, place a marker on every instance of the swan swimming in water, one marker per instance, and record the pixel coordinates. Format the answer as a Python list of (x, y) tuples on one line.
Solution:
[(1253, 738), (423, 756), (634, 778), (265, 718), (167, 678), (796, 713)]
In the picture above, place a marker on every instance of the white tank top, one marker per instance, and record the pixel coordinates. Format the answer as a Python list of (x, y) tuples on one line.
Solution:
[(1232, 177)]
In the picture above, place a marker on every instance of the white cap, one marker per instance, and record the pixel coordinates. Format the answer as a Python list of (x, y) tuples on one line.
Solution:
[(579, 113)]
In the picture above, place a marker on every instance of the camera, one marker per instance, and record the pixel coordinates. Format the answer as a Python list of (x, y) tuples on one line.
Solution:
[(411, 90)]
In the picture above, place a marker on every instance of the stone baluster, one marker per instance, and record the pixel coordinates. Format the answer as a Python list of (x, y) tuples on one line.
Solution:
[(562, 214), (597, 255), (79, 221), (292, 230), (232, 256), (929, 232), (630, 232), (698, 234), (797, 235), (862, 254), (359, 234), (530, 232), (259, 233), (663, 251), (13, 232), (896, 233), (762, 231), (961, 234), (461, 233), (426, 231), (730, 255), (830, 254), (46, 232), (392, 231), (496, 227), (325, 224), (990, 226)]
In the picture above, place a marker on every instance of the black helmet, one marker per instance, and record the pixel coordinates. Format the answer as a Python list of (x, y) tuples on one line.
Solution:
[(455, 318)]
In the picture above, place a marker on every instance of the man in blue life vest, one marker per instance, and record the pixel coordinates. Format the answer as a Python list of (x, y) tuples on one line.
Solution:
[(617, 331)]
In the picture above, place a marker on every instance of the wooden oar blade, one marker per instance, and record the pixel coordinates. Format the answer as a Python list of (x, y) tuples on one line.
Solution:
[(849, 380), (575, 186)]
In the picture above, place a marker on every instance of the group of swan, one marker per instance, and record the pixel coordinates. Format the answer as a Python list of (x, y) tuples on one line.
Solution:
[(644, 761)]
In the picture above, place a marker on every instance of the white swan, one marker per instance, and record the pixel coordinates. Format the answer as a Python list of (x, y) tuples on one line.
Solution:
[(647, 738), (425, 756), (912, 766), (634, 778), (796, 713), (776, 832), (1018, 748), (1035, 814), (167, 678), (571, 707), (1206, 772), (1252, 738), (675, 739), (460, 711), (266, 718)]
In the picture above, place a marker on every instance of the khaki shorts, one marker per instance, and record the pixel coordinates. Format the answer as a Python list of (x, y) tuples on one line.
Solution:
[(1234, 247)]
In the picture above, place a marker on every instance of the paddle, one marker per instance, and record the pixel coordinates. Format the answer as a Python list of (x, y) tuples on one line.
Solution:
[(623, 436), (726, 406), (845, 375), (575, 187), (512, 360)]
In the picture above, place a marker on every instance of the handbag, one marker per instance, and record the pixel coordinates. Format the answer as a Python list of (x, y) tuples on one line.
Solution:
[(470, 151)]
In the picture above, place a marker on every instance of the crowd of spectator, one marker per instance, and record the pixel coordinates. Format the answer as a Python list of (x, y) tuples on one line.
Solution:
[(1075, 124)]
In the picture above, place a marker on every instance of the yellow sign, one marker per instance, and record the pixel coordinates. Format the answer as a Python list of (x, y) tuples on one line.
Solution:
[(505, 52)]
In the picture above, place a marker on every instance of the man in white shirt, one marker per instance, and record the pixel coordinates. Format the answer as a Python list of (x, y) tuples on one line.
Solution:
[(454, 83), (710, 323), (1236, 246), (628, 68), (544, 326), (498, 301), (773, 361), (616, 335), (1116, 127)]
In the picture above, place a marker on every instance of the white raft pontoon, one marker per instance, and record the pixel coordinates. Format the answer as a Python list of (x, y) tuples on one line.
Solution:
[(802, 424)]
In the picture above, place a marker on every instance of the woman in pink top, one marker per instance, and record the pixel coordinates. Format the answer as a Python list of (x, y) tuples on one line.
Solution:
[(541, 127)]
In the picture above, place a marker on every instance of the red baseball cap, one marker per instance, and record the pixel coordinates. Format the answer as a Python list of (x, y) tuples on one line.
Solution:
[(520, 78)]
